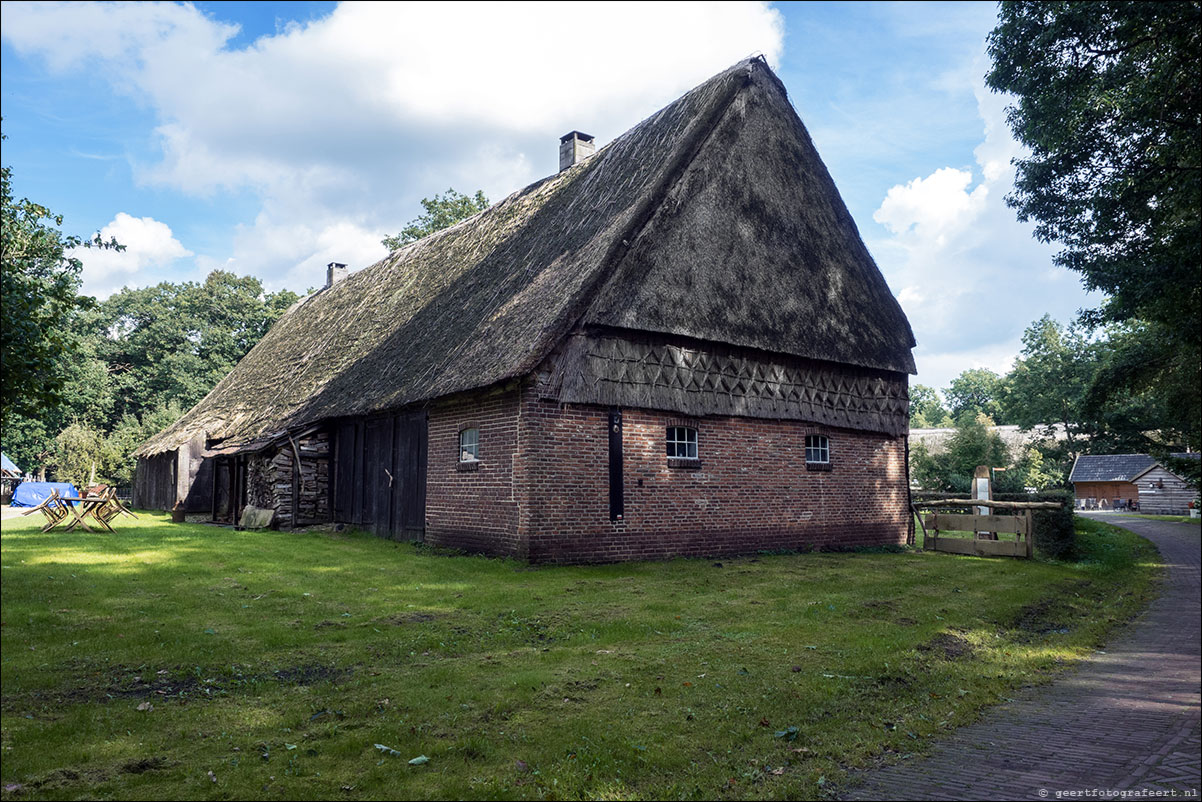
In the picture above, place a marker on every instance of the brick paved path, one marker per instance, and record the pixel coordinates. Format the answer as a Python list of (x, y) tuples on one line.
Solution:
[(1127, 720)]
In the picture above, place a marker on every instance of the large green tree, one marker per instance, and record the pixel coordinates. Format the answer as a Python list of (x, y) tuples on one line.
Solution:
[(952, 467), (1107, 101), (442, 211), (39, 287), (1051, 379), (977, 391), (926, 408), (171, 343)]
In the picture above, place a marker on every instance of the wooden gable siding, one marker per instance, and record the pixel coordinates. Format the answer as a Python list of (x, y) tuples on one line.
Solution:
[(1163, 492), (183, 475), (634, 369), (155, 480)]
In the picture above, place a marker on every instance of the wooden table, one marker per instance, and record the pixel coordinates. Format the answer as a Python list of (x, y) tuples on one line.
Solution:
[(89, 505)]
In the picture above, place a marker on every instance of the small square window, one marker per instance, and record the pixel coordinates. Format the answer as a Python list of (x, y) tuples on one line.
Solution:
[(682, 442), (818, 450), (469, 445)]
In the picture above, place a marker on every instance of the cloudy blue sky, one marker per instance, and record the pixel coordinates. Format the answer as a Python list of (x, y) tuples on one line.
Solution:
[(271, 138)]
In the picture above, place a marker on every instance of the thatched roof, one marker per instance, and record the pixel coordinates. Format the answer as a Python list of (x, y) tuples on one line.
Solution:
[(714, 218)]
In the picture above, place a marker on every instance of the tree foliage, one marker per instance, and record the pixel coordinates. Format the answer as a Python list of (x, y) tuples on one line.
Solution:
[(977, 391), (1108, 102), (926, 408), (80, 455), (138, 360), (442, 211), (951, 469), (1051, 378), (171, 343), (39, 284)]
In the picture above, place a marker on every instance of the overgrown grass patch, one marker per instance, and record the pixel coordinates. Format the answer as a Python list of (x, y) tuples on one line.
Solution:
[(187, 661)]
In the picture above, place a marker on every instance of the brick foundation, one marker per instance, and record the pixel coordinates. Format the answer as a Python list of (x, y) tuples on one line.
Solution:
[(541, 490)]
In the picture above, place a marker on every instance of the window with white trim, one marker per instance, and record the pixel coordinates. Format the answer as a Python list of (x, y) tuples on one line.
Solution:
[(469, 445), (682, 442), (818, 449)]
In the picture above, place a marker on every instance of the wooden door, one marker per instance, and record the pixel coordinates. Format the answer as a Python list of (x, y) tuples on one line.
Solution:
[(409, 488), (223, 490), (379, 474)]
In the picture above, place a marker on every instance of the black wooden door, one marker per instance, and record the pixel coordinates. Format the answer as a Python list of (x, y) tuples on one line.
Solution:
[(379, 474), (223, 490), (409, 487)]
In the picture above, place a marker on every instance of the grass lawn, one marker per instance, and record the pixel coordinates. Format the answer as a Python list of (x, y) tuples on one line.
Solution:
[(174, 661), (1181, 519)]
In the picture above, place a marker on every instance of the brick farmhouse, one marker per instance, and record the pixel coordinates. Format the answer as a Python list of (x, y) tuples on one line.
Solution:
[(678, 345)]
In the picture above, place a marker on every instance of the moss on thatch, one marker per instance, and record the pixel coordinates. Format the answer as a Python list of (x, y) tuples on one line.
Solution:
[(488, 299)]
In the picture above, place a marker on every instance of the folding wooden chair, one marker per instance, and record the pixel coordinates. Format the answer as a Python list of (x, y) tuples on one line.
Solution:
[(53, 508), (110, 509)]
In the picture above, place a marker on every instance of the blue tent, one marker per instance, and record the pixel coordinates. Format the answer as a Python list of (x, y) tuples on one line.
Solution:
[(8, 465), (31, 494)]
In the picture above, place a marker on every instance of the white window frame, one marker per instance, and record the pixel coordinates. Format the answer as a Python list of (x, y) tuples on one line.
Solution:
[(469, 444), (818, 449), (682, 443)]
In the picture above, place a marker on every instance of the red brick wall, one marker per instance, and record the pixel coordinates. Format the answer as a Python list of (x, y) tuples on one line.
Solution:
[(473, 510), (541, 491), (752, 491)]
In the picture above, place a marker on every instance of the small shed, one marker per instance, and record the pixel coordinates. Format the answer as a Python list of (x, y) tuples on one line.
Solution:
[(1107, 481), (1115, 481), (1163, 492)]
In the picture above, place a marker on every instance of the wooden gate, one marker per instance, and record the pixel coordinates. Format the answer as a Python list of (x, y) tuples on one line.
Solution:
[(380, 475), (983, 530)]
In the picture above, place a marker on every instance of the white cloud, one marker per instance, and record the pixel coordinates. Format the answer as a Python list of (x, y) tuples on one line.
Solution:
[(340, 126), (150, 247), (938, 368), (971, 277), (933, 208)]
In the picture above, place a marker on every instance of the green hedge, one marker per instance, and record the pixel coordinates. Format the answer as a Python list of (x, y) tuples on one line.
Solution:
[(1055, 537)]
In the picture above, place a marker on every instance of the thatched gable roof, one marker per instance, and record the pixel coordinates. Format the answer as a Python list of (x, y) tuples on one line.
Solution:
[(486, 300)]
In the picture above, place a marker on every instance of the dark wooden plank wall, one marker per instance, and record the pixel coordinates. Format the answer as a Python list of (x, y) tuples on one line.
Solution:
[(223, 490), (200, 481), (155, 481), (380, 474)]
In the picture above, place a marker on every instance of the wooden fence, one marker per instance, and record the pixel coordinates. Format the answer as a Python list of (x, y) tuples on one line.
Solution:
[(984, 528)]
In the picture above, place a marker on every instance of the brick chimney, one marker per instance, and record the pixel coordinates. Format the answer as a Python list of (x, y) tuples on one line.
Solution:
[(574, 147), (335, 272)]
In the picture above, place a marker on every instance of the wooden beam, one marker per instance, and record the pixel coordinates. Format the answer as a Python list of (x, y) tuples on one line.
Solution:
[(982, 548), (978, 523), (1030, 534), (1004, 505)]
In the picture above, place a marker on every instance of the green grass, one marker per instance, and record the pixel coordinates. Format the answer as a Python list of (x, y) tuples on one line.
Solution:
[(1181, 519), (135, 664)]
